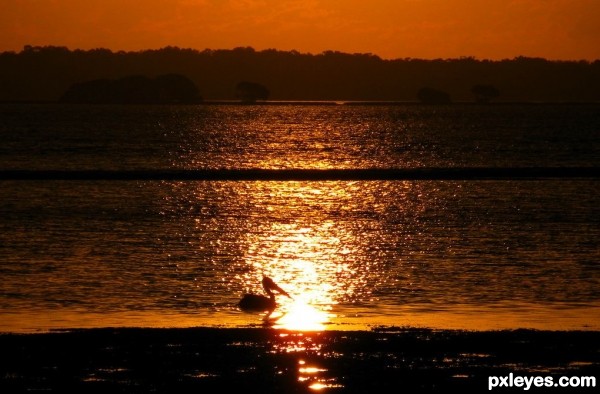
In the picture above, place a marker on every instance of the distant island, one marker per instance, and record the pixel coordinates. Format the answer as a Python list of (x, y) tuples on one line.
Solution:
[(177, 75), (164, 89)]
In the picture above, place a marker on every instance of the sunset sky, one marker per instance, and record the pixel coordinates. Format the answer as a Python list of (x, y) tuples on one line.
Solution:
[(485, 29)]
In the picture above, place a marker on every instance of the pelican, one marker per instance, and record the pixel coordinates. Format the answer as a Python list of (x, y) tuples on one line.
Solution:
[(260, 303)]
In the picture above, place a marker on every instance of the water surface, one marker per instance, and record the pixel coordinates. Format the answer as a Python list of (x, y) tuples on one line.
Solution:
[(354, 254)]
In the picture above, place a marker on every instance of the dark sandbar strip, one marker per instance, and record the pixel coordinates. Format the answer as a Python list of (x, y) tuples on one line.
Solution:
[(199, 360), (474, 173)]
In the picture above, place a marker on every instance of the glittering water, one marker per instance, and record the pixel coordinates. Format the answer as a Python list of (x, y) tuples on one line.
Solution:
[(465, 254), (190, 137)]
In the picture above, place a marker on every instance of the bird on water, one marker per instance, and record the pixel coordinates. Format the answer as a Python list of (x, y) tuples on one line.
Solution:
[(260, 303)]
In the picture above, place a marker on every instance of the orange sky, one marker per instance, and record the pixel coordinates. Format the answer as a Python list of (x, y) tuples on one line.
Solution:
[(485, 29)]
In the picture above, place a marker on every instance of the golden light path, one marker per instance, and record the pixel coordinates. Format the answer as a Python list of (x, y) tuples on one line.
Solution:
[(303, 316), (302, 262), (309, 255)]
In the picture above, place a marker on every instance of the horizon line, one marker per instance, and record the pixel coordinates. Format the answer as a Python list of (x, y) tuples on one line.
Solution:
[(325, 52)]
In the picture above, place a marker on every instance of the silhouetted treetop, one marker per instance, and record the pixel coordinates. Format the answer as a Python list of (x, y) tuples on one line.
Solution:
[(45, 73)]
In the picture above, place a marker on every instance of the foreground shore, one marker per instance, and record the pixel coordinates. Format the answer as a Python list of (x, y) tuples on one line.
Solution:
[(262, 360)]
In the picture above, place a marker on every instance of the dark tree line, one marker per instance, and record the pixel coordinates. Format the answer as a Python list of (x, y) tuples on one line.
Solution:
[(432, 96), (485, 93), (46, 73)]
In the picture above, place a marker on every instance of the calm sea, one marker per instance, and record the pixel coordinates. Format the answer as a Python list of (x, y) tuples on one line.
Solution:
[(472, 254)]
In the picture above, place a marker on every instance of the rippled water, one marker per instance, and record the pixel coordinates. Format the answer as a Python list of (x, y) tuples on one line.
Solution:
[(191, 137), (353, 254)]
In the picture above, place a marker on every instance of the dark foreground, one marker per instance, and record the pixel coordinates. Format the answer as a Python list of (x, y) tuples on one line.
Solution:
[(256, 360)]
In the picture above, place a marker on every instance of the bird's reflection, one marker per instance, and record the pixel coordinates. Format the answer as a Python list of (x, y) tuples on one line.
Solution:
[(260, 303)]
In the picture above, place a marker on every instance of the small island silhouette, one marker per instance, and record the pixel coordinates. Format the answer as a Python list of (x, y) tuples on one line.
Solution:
[(137, 89), (250, 92)]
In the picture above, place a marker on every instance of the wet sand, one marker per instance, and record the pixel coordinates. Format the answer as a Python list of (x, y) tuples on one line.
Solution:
[(263, 360)]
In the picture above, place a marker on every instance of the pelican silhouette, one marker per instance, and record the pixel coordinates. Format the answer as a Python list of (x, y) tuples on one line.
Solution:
[(260, 303)]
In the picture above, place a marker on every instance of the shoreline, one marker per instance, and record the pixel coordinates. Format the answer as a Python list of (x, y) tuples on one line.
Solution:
[(204, 359), (552, 317)]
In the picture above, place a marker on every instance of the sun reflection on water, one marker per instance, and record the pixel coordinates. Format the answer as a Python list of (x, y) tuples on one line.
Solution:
[(304, 250), (313, 375), (322, 242), (304, 262), (301, 316)]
